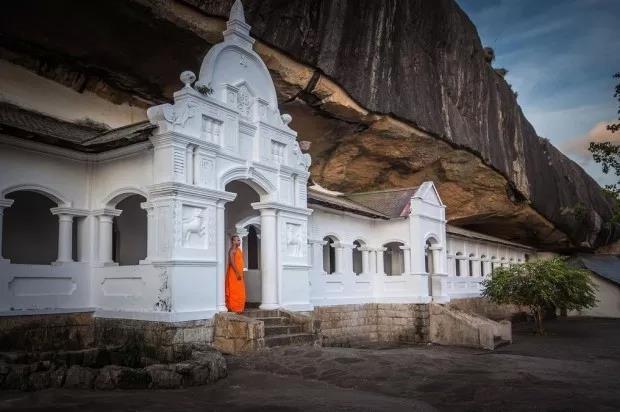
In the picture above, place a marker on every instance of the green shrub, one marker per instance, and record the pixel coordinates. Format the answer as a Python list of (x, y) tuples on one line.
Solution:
[(539, 285)]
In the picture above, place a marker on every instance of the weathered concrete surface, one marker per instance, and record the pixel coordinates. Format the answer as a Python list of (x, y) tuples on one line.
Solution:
[(573, 368), (484, 307), (454, 327), (408, 98)]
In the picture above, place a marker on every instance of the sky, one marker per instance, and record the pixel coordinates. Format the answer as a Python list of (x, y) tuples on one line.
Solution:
[(560, 56)]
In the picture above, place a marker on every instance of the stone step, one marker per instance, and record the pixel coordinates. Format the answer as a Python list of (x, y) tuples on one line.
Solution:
[(282, 330), (292, 339), (259, 313), (498, 341), (275, 320)]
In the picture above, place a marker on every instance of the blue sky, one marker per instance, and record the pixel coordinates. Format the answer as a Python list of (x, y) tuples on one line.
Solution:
[(560, 56)]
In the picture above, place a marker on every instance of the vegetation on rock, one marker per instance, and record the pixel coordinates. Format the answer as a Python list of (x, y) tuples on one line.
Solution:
[(541, 285), (608, 155)]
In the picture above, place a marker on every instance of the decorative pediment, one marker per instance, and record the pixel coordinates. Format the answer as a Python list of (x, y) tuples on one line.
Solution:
[(428, 193)]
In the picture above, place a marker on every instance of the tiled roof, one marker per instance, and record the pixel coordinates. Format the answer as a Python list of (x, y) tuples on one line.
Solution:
[(606, 266), (391, 202), (32, 124), (26, 124), (340, 202)]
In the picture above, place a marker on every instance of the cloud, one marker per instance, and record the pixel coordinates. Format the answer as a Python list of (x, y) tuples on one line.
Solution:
[(578, 147)]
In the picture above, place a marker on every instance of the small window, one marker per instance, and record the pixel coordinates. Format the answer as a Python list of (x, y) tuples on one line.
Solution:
[(457, 262), (329, 256)]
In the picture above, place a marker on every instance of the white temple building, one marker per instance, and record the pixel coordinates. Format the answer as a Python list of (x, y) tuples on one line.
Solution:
[(142, 231)]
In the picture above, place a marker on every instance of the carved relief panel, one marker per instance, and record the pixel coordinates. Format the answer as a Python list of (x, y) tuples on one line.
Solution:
[(295, 240), (211, 129), (197, 224), (278, 152)]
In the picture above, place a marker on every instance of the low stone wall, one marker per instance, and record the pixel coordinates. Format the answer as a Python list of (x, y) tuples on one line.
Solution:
[(168, 341), (108, 368), (234, 334), (373, 323), (483, 307), (47, 332)]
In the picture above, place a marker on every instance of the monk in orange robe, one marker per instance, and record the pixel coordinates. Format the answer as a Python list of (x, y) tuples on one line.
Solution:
[(235, 286)]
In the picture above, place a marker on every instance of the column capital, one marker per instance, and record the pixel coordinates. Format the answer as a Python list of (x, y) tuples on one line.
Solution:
[(6, 203), (435, 247), (65, 218), (107, 212), (365, 249), (268, 212), (405, 247), (69, 211), (381, 249)]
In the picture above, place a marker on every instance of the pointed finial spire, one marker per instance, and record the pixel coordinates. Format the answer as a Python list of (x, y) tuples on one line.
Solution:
[(236, 12), (238, 31)]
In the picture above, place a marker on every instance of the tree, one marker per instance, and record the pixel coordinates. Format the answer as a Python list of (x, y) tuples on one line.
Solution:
[(607, 153), (540, 285)]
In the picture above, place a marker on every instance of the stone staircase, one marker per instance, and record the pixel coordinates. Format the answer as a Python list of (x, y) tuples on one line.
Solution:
[(283, 328)]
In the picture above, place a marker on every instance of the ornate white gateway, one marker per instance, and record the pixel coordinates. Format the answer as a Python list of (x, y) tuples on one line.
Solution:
[(225, 128)]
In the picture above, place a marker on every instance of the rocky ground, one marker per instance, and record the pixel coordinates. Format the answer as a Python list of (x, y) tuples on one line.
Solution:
[(575, 367)]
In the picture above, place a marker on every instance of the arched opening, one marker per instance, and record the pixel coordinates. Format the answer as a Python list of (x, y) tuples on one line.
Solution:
[(329, 255), (393, 259), (129, 232), (237, 212), (493, 261), (253, 252), (458, 259), (428, 256), (29, 230), (471, 264), (483, 259), (357, 257)]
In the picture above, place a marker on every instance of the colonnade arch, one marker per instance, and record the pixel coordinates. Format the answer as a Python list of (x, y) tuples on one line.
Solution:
[(29, 229)]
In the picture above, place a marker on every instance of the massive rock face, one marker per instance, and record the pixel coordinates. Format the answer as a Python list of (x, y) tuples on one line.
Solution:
[(422, 62), (390, 93)]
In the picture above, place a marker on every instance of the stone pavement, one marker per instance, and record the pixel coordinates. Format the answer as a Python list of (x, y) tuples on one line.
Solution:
[(575, 367)]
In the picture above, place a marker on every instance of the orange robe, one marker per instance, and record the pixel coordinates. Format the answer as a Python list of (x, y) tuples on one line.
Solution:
[(235, 289)]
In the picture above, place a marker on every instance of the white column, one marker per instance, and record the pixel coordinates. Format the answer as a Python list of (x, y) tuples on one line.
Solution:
[(189, 164), (316, 260), (435, 258), (365, 260), (407, 257), (4, 203), (65, 238), (380, 268), (105, 238), (339, 257), (372, 261), (150, 231), (220, 295), (106, 218), (269, 262)]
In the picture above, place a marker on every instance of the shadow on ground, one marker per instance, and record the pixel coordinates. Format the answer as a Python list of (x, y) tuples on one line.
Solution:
[(575, 367)]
